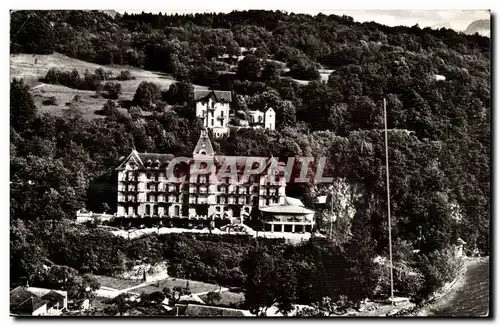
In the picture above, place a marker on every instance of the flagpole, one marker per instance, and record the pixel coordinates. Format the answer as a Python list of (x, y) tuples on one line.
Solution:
[(331, 217), (388, 202)]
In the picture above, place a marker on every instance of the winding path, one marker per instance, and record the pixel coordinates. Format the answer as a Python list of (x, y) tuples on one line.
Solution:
[(470, 298)]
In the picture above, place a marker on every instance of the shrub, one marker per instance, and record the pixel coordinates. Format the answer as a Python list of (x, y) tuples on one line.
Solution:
[(408, 280), (108, 109), (304, 71), (213, 297), (102, 74), (147, 94), (113, 90), (440, 267), (72, 79), (179, 93), (125, 75)]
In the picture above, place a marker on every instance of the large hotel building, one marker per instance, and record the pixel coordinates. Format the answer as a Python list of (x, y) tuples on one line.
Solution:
[(146, 189)]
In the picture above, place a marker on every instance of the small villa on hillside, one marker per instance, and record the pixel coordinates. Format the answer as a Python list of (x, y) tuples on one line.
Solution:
[(263, 119), (213, 108)]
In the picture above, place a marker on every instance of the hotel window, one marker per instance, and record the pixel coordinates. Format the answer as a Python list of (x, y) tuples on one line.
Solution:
[(275, 200), (218, 199), (213, 105), (148, 176)]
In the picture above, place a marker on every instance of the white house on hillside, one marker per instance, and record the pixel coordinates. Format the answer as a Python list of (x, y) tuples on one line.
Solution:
[(213, 107), (266, 119)]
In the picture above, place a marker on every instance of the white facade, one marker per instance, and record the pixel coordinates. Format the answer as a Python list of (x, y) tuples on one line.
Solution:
[(266, 120), (270, 119), (256, 117), (214, 110), (41, 311)]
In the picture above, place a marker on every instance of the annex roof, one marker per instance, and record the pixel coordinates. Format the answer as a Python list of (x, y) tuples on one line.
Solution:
[(294, 201), (23, 301), (286, 209)]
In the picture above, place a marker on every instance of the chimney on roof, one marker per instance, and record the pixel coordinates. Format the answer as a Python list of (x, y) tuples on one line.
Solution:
[(24, 281)]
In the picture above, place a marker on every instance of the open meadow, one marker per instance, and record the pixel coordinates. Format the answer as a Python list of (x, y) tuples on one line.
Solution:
[(31, 68)]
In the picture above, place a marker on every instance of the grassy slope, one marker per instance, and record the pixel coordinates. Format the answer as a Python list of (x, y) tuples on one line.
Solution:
[(23, 66), (116, 283), (195, 286)]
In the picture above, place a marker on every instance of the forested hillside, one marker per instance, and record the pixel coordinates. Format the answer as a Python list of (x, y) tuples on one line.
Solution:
[(440, 171)]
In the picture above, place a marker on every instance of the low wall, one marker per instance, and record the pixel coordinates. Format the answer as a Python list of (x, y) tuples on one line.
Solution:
[(89, 217)]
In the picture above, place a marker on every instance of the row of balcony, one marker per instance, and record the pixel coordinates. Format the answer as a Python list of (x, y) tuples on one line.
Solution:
[(287, 219), (204, 193), (141, 201), (252, 180)]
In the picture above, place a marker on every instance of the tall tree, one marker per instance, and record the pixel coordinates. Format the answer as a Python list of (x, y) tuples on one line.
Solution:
[(22, 107)]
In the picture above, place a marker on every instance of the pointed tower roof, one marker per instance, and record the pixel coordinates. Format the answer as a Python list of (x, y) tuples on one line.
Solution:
[(204, 145)]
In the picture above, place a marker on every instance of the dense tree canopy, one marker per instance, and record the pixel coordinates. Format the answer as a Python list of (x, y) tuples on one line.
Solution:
[(439, 138)]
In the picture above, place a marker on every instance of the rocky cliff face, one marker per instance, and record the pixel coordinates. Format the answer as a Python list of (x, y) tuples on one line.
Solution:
[(147, 272)]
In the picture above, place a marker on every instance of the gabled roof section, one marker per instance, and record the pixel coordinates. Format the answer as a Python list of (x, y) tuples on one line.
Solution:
[(134, 156), (142, 159), (19, 295), (30, 305), (53, 298), (24, 302), (204, 145), (219, 95)]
